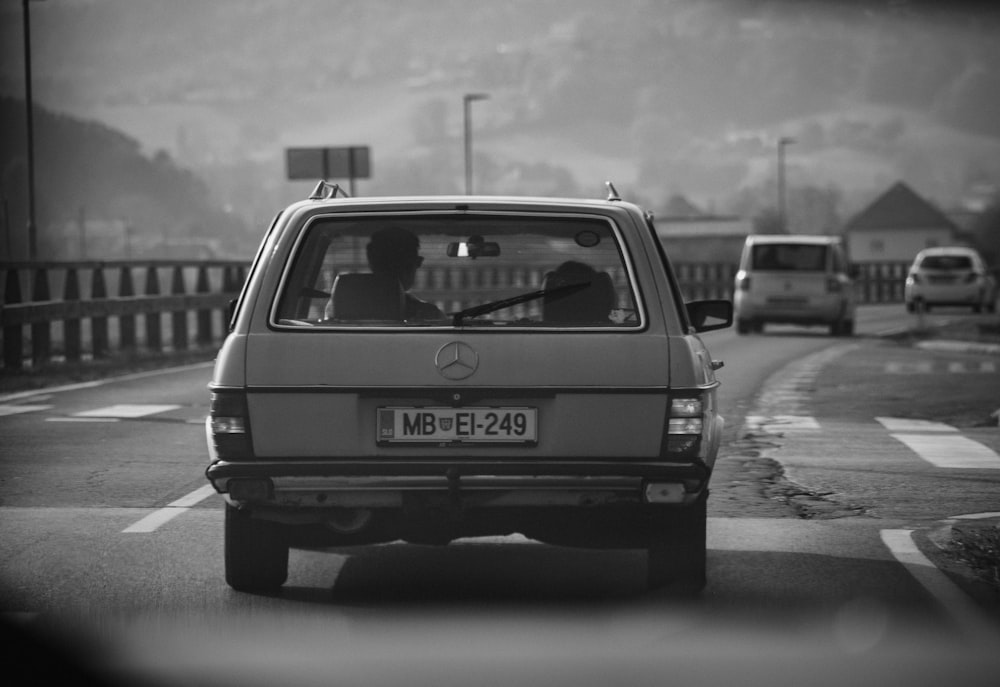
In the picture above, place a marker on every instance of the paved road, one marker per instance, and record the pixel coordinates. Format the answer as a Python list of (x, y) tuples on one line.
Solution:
[(107, 532)]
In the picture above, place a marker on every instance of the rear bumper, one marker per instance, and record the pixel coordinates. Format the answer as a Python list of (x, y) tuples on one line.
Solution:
[(386, 484), (957, 294), (811, 310)]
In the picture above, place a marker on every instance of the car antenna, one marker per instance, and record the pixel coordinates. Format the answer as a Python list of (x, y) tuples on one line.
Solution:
[(612, 191)]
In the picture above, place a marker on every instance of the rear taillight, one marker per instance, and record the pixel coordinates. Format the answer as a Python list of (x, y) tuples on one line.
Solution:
[(915, 277), (229, 425), (972, 278), (833, 285), (685, 426), (742, 281)]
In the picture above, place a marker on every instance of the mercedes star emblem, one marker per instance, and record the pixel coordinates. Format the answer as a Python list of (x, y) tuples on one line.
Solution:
[(456, 360)]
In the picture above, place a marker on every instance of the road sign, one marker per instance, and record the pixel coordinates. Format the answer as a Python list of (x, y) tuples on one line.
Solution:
[(346, 162)]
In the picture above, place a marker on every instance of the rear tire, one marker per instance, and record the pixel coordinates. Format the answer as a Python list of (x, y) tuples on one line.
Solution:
[(256, 553), (676, 558), (743, 326)]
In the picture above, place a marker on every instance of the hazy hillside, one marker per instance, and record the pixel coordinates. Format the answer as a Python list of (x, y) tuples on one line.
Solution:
[(665, 97), (89, 174)]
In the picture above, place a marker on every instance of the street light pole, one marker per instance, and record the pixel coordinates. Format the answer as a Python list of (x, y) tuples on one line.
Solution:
[(467, 101), (32, 230), (782, 142)]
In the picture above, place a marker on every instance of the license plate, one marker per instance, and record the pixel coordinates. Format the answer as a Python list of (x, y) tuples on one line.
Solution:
[(463, 425), (790, 301)]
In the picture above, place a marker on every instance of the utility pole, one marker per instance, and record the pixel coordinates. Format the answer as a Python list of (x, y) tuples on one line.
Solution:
[(467, 101), (32, 227), (782, 221)]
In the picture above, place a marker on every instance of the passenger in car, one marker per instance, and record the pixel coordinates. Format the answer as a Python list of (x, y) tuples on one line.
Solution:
[(592, 304), (394, 253)]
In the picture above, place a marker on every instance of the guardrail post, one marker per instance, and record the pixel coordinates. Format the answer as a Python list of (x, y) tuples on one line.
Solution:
[(98, 324), (126, 323), (179, 324), (71, 325), (204, 315), (13, 339), (41, 332), (154, 331)]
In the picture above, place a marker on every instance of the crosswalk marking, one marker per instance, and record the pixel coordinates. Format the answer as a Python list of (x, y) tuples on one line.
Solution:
[(894, 367), (897, 367), (940, 444), (899, 424), (937, 443), (950, 451), (127, 410)]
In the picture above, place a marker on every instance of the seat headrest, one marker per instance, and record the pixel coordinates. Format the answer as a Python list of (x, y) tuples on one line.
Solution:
[(367, 297), (590, 304)]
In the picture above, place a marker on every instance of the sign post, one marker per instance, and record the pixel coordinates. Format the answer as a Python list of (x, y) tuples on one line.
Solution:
[(347, 162)]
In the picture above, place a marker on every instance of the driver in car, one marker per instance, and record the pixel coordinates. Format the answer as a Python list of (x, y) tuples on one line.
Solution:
[(395, 252)]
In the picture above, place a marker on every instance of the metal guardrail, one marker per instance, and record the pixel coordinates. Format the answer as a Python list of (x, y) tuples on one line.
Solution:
[(93, 317), (88, 321)]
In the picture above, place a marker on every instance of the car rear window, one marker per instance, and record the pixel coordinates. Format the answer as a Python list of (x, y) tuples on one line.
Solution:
[(431, 270), (789, 257), (947, 262)]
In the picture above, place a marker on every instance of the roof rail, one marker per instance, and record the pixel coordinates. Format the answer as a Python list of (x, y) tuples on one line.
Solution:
[(325, 190), (612, 191)]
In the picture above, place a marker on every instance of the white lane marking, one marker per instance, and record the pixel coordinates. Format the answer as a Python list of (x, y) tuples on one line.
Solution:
[(82, 419), (101, 382), (194, 498), (950, 451), (899, 424), (31, 393), (783, 422), (961, 608), (154, 520), (127, 410), (975, 516), (18, 409)]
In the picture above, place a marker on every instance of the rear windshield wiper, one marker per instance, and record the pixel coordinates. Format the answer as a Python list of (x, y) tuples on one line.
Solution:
[(492, 306)]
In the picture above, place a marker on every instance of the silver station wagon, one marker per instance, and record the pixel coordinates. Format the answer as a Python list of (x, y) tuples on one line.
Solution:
[(430, 368)]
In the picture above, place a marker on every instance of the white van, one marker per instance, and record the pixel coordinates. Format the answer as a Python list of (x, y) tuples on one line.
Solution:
[(794, 279)]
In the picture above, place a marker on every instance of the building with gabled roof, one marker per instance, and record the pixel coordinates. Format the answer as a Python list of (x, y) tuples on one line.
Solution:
[(896, 226), (691, 235)]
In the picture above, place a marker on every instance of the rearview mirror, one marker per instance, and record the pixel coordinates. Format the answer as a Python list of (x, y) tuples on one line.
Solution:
[(474, 248), (709, 315)]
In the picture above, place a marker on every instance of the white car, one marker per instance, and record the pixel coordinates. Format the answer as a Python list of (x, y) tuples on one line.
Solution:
[(794, 279), (429, 368), (949, 276)]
